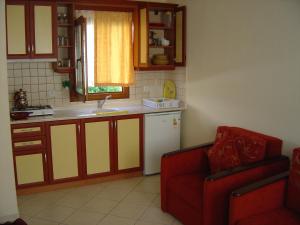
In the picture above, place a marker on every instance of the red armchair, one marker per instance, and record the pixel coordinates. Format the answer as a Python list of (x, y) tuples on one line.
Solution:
[(195, 197), (275, 200)]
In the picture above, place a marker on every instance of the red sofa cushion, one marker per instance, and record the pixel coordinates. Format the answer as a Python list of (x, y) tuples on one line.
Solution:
[(251, 148), (189, 188), (281, 216), (223, 155), (293, 195)]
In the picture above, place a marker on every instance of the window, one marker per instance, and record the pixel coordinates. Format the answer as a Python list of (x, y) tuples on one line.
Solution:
[(103, 52)]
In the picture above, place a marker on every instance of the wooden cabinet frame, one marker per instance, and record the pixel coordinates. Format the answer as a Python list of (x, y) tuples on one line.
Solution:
[(30, 31), (49, 152)]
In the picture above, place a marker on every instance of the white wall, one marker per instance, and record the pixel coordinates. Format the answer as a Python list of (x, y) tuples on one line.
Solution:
[(8, 202), (243, 68)]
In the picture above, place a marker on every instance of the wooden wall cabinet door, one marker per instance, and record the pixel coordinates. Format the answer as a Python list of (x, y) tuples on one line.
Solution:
[(17, 27), (31, 29), (97, 146), (180, 36), (129, 143), (30, 169), (43, 29), (64, 150)]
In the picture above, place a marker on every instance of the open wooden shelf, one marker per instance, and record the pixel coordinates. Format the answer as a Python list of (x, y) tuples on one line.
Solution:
[(62, 69), (152, 67), (64, 24), (65, 46), (155, 27), (160, 46)]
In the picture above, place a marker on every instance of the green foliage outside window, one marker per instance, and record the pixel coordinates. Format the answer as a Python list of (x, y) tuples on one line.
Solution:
[(101, 89)]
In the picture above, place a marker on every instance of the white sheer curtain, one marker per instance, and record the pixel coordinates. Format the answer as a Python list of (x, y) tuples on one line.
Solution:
[(90, 20)]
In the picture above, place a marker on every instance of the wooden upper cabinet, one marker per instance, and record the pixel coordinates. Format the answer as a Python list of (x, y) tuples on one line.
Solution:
[(162, 31), (31, 29), (180, 36), (43, 29), (17, 26)]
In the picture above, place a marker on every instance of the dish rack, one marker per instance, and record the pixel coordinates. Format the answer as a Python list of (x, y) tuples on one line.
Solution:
[(161, 103)]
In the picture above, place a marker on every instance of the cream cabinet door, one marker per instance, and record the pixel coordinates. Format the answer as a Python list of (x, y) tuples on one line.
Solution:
[(128, 143), (16, 25), (97, 147), (64, 151), (43, 32), (29, 168)]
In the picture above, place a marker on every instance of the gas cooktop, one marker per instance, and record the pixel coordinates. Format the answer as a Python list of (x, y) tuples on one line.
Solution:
[(41, 110)]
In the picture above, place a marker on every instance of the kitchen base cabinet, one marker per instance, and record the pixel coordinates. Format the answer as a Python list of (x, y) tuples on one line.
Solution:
[(78, 150), (97, 146), (129, 143), (64, 149), (29, 169)]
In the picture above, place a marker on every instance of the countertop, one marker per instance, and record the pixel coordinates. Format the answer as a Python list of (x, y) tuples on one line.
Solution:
[(81, 112)]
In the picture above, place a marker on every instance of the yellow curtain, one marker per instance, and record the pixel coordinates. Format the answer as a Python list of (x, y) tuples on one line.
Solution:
[(113, 49)]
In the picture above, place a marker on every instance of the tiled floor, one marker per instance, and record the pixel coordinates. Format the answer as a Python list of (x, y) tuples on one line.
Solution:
[(134, 201)]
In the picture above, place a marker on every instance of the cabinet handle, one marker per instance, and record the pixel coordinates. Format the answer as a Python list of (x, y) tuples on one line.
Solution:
[(28, 48), (32, 48), (116, 123), (45, 158)]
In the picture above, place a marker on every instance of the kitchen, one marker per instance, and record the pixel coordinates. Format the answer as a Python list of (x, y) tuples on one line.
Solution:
[(47, 82)]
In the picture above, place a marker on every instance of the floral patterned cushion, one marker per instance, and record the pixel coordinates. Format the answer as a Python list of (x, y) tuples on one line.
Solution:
[(251, 149), (223, 155)]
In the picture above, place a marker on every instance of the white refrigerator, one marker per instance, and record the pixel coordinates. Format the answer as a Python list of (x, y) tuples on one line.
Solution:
[(162, 135)]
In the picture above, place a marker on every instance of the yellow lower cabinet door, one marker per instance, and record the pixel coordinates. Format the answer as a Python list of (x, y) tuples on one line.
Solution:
[(97, 147), (64, 151), (128, 143), (29, 168)]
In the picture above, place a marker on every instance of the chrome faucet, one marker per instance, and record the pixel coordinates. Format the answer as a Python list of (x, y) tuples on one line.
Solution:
[(100, 103)]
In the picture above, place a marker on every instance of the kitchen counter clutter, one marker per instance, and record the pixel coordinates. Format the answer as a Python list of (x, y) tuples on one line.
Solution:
[(76, 112)]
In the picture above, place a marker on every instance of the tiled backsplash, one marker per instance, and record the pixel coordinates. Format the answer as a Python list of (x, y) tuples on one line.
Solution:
[(44, 86)]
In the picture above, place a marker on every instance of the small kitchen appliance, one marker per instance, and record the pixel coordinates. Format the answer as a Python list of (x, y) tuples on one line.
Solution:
[(36, 110)]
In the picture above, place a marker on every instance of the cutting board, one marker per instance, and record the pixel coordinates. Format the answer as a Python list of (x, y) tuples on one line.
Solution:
[(169, 89)]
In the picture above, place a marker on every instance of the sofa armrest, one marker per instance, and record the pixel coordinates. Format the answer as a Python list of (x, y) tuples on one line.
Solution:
[(240, 169), (217, 191), (181, 162), (267, 194)]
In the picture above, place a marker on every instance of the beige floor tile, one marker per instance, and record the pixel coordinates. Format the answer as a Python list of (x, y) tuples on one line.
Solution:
[(25, 218), (89, 190), (155, 215), (146, 223), (35, 221), (114, 193), (148, 186), (156, 202), (130, 211), (114, 220), (32, 207), (82, 217), (139, 197), (124, 183), (74, 200), (55, 213), (49, 197), (176, 222), (100, 205)]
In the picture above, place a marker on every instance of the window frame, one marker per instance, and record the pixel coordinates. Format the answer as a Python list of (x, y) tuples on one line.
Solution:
[(117, 8)]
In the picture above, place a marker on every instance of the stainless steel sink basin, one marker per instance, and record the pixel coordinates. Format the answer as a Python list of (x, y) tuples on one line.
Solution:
[(108, 111)]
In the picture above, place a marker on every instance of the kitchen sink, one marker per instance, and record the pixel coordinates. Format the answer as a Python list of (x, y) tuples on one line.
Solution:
[(104, 112)]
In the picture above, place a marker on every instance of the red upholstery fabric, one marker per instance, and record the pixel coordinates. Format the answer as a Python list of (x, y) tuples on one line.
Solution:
[(281, 216), (185, 162), (261, 200), (251, 148), (273, 144), (265, 206), (223, 155), (216, 193), (212, 208), (293, 196), (189, 188)]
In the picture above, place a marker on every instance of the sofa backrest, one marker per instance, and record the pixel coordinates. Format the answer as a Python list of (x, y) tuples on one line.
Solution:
[(273, 144), (293, 194)]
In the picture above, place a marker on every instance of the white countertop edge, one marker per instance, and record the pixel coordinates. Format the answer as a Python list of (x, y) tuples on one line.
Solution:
[(74, 114)]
